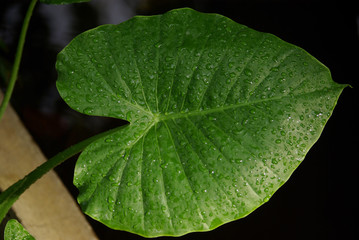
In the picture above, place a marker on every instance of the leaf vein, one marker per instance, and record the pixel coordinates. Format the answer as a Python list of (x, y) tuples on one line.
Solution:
[(208, 170), (123, 100), (284, 57), (174, 71), (225, 155), (158, 59), (163, 182), (246, 64), (223, 58), (138, 72), (183, 168), (193, 71), (217, 109), (117, 69), (141, 183)]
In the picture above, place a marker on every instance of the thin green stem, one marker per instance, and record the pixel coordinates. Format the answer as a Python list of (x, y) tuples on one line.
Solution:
[(10, 195), (15, 68)]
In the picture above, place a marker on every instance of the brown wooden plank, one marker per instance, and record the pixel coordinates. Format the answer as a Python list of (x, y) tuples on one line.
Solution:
[(46, 209)]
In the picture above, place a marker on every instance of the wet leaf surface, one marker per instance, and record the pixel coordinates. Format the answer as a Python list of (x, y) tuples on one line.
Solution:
[(15, 231), (220, 117)]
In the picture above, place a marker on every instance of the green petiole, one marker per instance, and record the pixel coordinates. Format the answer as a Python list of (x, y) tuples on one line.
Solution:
[(10, 195), (15, 68)]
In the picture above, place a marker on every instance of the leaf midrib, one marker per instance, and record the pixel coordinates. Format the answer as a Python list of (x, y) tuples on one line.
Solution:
[(164, 117)]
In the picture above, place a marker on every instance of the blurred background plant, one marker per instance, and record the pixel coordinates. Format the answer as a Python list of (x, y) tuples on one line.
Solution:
[(320, 204)]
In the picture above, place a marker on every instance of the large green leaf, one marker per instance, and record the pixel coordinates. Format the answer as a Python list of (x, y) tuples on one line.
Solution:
[(220, 116), (15, 231)]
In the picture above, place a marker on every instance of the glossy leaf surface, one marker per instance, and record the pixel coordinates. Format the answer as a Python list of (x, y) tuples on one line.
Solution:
[(220, 116), (15, 231)]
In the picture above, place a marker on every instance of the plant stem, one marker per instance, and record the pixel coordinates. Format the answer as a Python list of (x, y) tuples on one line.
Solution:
[(10, 195), (15, 68)]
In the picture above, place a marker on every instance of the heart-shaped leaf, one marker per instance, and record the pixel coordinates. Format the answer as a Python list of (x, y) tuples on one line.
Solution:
[(15, 231), (220, 116)]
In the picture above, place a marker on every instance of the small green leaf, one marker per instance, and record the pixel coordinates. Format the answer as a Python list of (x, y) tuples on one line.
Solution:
[(220, 117), (15, 231), (63, 1)]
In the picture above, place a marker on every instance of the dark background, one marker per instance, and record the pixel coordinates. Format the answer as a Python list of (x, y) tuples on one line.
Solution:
[(320, 201)]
